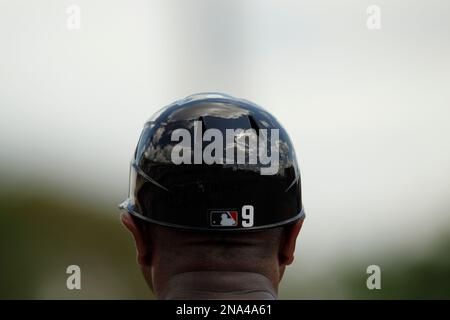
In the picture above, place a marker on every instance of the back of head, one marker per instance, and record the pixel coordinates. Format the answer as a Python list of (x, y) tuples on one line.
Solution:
[(185, 262), (214, 187), (185, 251)]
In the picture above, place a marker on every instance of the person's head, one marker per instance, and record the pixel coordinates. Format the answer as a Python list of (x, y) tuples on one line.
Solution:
[(163, 252), (214, 187)]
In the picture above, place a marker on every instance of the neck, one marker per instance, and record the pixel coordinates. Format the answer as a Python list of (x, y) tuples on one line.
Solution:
[(202, 285)]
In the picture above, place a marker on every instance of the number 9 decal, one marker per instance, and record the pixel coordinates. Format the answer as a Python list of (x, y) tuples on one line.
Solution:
[(247, 216)]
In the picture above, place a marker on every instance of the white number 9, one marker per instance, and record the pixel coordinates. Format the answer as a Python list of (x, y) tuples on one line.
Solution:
[(247, 216)]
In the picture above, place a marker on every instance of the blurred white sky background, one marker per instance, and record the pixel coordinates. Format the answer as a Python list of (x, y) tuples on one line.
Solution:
[(367, 110)]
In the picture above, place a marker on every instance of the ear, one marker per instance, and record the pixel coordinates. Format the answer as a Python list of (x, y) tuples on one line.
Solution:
[(141, 245), (287, 246)]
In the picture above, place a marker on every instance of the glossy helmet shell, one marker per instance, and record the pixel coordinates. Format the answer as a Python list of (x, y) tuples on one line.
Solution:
[(194, 195)]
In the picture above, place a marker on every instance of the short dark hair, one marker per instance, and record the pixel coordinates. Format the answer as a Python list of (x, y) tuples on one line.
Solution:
[(213, 249)]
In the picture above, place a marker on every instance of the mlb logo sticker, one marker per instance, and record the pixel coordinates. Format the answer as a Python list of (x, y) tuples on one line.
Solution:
[(224, 218)]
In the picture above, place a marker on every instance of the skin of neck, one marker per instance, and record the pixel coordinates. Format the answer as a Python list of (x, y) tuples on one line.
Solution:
[(189, 265), (223, 285), (196, 271)]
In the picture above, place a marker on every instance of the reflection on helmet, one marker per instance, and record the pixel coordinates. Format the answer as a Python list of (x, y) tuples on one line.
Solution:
[(184, 175)]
